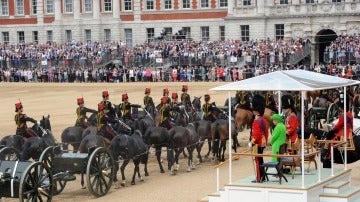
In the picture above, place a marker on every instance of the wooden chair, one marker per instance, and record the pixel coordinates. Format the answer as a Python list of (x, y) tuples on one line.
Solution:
[(277, 165), (292, 161), (310, 149)]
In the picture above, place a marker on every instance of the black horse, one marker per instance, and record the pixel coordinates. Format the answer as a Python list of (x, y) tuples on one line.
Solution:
[(34, 146), (197, 113), (352, 155), (157, 137), (144, 123), (73, 135), (129, 148), (179, 138)]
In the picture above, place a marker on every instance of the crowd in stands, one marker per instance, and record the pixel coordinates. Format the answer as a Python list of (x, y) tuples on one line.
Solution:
[(180, 60)]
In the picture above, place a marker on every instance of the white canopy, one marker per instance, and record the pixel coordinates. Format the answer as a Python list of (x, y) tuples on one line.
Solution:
[(288, 80)]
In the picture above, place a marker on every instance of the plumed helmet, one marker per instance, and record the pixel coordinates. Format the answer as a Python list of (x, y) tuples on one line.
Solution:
[(165, 91), (174, 95), (184, 88), (341, 101), (105, 93), (124, 96), (147, 90), (258, 104), (164, 100), (206, 97), (101, 106), (18, 106), (80, 101), (287, 102)]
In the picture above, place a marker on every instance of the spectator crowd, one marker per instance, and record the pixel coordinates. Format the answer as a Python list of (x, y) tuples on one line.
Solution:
[(183, 60)]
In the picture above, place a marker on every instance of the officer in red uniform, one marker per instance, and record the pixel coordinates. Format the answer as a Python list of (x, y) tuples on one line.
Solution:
[(260, 133), (81, 111), (20, 120), (291, 121)]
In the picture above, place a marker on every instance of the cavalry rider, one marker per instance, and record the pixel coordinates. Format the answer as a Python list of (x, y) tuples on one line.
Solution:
[(260, 133), (109, 110), (20, 120), (81, 114), (337, 131), (148, 101), (270, 102), (125, 108), (103, 120), (209, 109), (185, 98), (325, 94), (165, 110), (291, 121), (174, 100), (165, 95), (244, 99)]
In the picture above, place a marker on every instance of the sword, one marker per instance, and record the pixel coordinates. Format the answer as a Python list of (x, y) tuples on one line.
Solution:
[(124, 125), (147, 113)]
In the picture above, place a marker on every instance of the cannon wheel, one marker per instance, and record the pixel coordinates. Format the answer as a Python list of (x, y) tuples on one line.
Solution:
[(9, 154), (332, 112), (100, 172), (47, 158), (36, 183)]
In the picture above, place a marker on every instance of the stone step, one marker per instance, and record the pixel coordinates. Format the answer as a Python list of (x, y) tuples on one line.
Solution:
[(350, 194), (336, 187)]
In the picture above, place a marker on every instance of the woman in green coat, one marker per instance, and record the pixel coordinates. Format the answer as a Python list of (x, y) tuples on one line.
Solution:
[(278, 136)]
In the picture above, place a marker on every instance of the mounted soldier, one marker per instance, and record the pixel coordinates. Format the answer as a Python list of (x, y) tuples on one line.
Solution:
[(81, 111), (109, 110), (20, 120), (185, 98)]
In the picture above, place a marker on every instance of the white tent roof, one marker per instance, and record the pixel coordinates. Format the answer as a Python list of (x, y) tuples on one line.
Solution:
[(288, 80)]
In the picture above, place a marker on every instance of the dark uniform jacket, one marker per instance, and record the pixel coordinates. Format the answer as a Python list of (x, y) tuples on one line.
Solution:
[(81, 116)]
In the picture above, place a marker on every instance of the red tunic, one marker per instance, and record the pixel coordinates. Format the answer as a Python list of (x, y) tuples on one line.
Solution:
[(291, 126), (339, 127)]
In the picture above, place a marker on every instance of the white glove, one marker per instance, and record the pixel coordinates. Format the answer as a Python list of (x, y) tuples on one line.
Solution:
[(38, 123), (250, 144)]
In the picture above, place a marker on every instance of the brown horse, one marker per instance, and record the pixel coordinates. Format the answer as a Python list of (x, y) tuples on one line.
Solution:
[(243, 118), (312, 95), (219, 135)]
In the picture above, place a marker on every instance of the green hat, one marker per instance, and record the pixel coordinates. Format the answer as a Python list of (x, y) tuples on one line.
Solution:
[(277, 117)]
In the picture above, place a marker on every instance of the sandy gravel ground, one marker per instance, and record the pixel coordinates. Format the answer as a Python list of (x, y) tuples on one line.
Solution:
[(59, 101)]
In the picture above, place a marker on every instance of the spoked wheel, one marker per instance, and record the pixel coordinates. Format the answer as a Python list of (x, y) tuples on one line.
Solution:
[(9, 154), (36, 183), (332, 113), (47, 157), (100, 172)]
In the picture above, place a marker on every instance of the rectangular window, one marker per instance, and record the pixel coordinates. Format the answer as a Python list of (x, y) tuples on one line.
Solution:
[(222, 33), (128, 37), (4, 8), (186, 4), (107, 33), (21, 37), (107, 6), (337, 1), (168, 4), (279, 31), (49, 6), (187, 31), (35, 36), (49, 35), (127, 5), (245, 33), (88, 35), (168, 32), (68, 6), (6, 37), (205, 35), (283, 2), (19, 7), (68, 35), (33, 7), (88, 6), (204, 4), (310, 1), (246, 2), (150, 4), (150, 34), (223, 3)]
